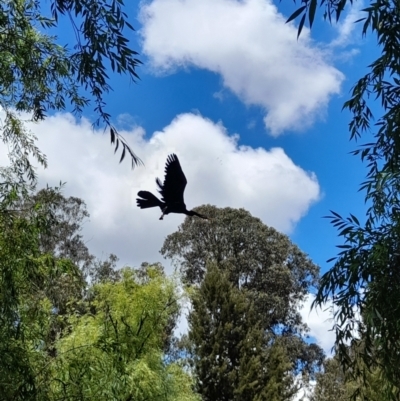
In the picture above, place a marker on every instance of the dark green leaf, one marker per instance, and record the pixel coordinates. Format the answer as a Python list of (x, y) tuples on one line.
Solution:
[(311, 11), (296, 13), (303, 18)]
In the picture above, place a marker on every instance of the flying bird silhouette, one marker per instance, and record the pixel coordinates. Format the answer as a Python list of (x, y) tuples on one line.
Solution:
[(171, 191)]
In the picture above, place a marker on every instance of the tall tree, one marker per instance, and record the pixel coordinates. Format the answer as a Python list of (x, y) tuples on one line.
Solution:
[(262, 264), (259, 259), (26, 278), (231, 361), (38, 75), (364, 282), (64, 238)]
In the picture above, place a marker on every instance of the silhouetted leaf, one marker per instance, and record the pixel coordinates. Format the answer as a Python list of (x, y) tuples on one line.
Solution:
[(296, 14), (303, 18), (311, 11), (112, 134), (354, 218), (123, 154)]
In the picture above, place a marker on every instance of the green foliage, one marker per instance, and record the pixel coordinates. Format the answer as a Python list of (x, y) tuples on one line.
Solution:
[(228, 344), (26, 278), (63, 238), (259, 259), (251, 301), (116, 352), (333, 384), (62, 338), (38, 75), (364, 282)]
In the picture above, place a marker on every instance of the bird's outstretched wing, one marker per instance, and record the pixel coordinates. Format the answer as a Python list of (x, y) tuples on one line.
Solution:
[(174, 181)]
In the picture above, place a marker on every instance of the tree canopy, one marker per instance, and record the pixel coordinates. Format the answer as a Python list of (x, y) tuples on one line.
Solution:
[(246, 281), (258, 258), (115, 352), (64, 337)]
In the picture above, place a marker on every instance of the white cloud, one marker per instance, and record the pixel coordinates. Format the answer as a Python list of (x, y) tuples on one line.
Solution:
[(320, 323), (219, 172), (346, 27), (248, 43), (306, 389)]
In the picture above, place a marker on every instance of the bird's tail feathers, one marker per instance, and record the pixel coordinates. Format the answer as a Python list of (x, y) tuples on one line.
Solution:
[(149, 200)]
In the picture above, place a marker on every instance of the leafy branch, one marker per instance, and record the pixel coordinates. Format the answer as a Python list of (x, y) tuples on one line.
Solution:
[(38, 76)]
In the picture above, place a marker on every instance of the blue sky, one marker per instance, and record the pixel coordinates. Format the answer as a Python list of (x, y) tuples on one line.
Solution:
[(214, 69), (323, 148)]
